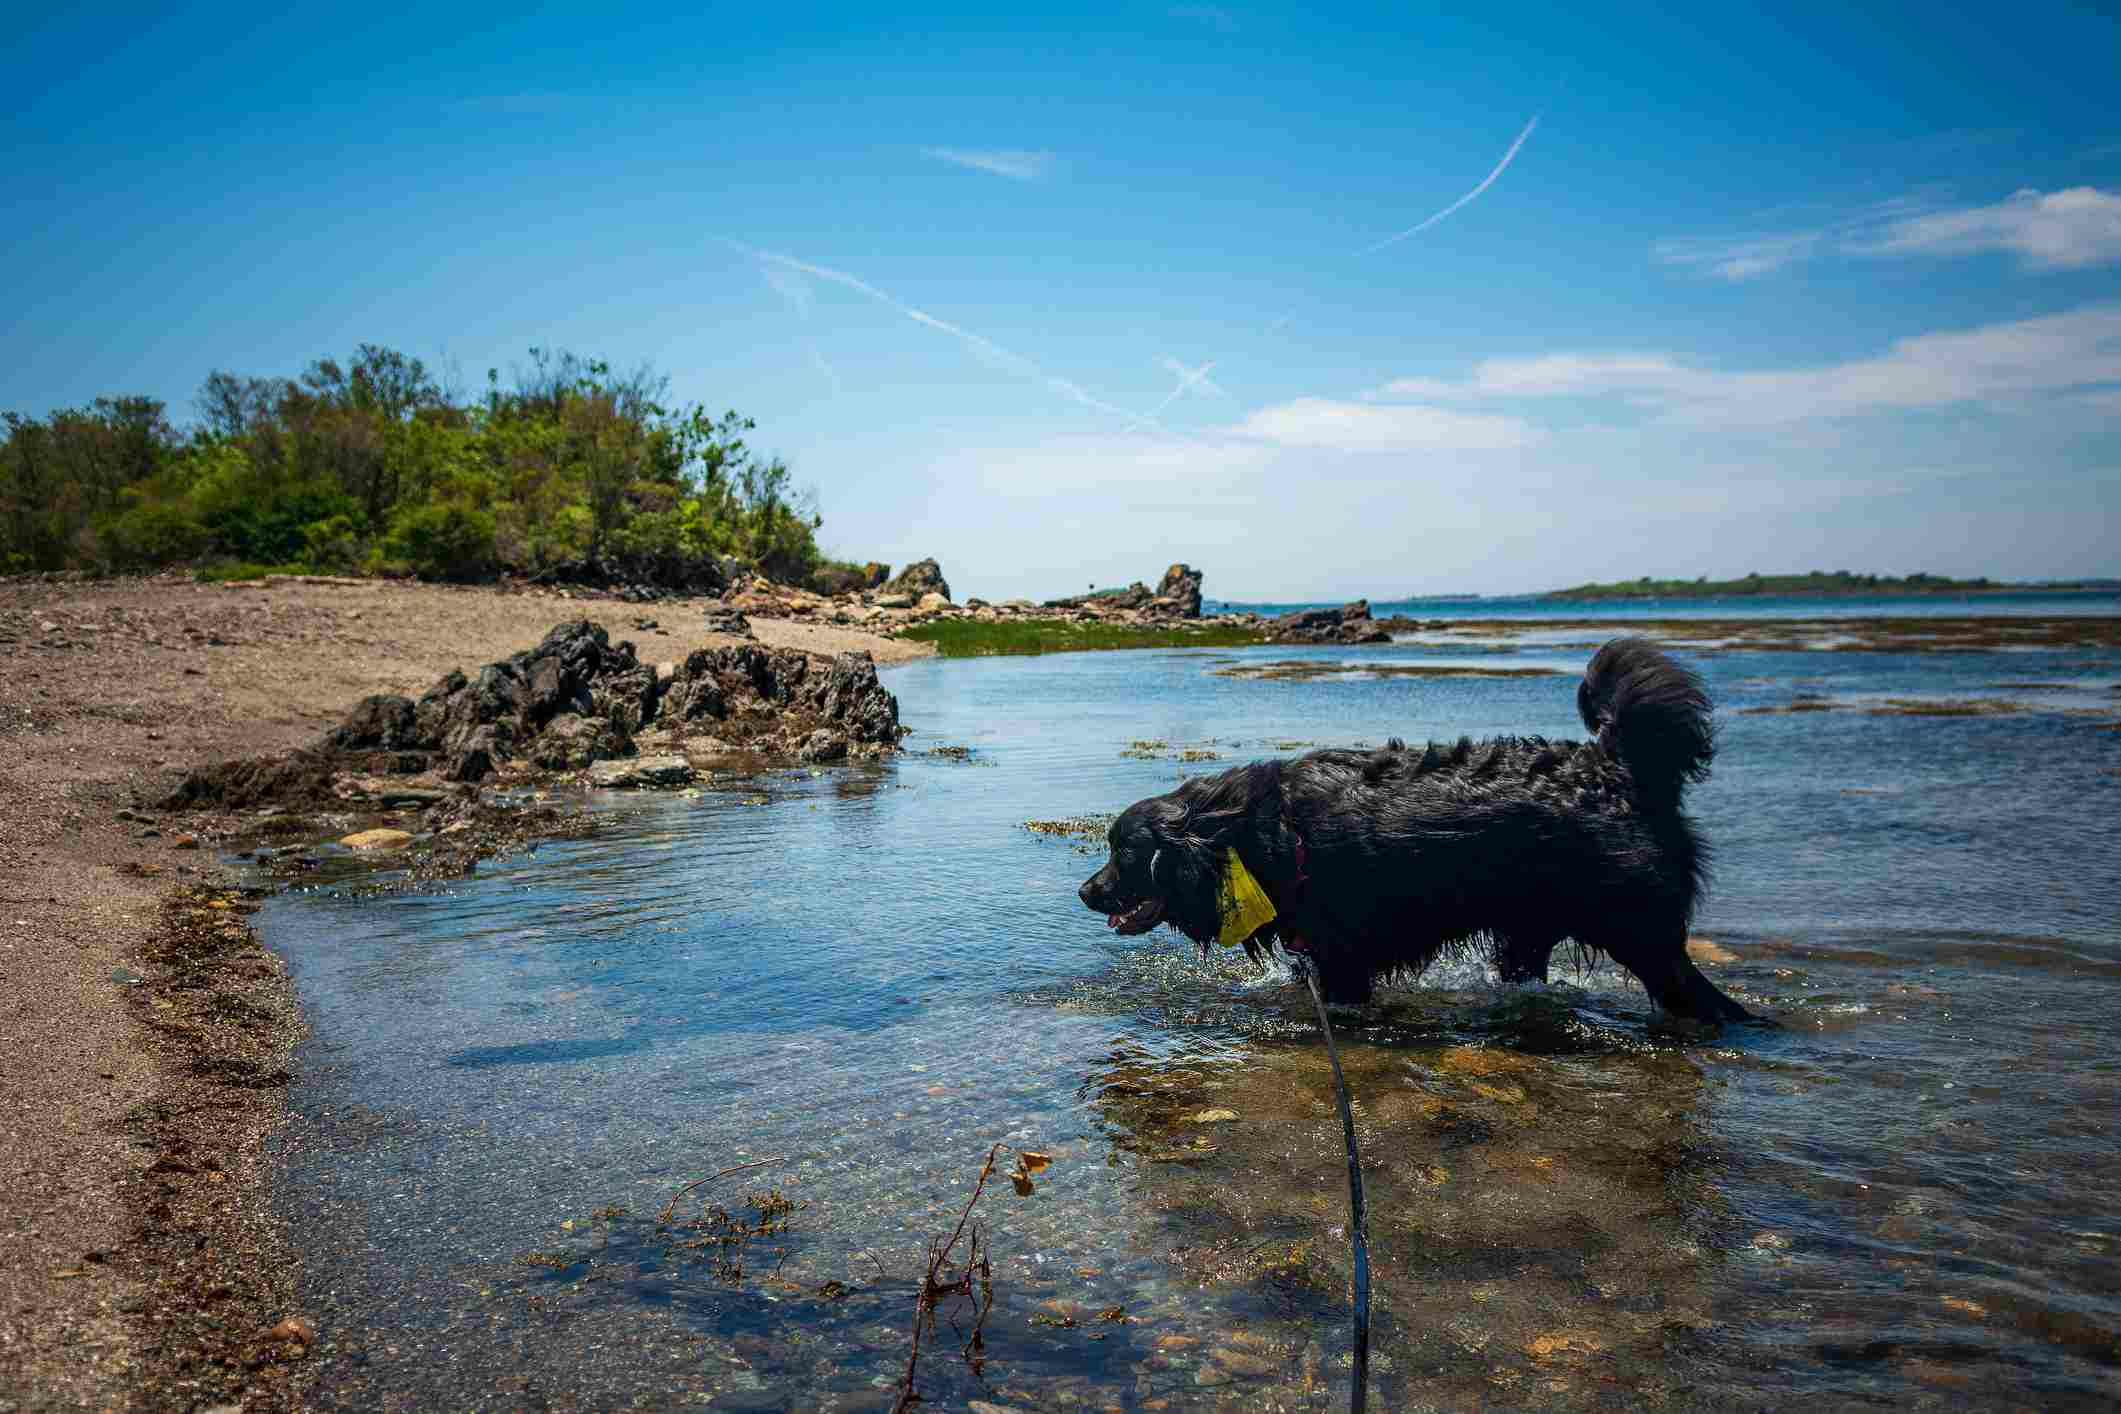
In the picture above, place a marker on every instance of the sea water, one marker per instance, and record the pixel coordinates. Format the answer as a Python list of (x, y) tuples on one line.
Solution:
[(856, 980)]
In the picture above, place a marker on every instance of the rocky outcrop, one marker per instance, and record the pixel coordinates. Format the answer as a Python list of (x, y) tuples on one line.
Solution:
[(1176, 596), (1350, 623), (751, 698), (919, 578), (1180, 591), (573, 701)]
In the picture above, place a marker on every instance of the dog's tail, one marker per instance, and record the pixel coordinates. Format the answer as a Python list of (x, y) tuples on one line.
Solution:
[(1651, 714)]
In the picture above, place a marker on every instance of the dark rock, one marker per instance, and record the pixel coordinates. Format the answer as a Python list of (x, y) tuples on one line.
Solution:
[(849, 696), (689, 697), (382, 722), (474, 757), (824, 744), (431, 712), (647, 771), (1350, 623), (499, 692), (638, 576), (920, 577), (629, 699), (572, 742), (729, 621), (1134, 596), (238, 785)]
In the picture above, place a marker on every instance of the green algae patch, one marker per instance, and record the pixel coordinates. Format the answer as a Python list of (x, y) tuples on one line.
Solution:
[(974, 638), (1945, 707)]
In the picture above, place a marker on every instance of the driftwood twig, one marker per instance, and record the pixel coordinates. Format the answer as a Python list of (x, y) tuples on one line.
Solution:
[(672, 1205), (934, 1288)]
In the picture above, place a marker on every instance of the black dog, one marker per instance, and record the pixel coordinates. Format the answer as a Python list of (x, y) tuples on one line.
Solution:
[(1372, 863)]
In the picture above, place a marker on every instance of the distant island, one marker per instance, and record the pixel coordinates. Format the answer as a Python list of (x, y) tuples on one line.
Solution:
[(1817, 582)]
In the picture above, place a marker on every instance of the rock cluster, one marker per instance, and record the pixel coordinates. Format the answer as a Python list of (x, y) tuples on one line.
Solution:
[(1176, 596), (641, 577), (921, 594), (1350, 623), (921, 578), (574, 700)]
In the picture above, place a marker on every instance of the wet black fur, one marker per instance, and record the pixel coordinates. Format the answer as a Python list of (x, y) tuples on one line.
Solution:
[(1513, 845)]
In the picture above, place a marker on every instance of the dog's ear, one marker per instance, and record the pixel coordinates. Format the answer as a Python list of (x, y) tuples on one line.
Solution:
[(1212, 828)]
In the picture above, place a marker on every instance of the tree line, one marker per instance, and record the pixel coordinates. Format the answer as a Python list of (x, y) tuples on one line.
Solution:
[(374, 466)]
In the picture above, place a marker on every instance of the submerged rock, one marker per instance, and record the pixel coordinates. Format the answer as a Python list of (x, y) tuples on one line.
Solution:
[(378, 839), (645, 771)]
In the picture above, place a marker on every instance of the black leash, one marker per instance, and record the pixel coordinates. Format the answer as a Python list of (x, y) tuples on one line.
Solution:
[(1358, 1222)]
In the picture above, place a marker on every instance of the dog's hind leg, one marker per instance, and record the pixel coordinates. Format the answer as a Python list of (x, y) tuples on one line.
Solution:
[(1523, 957), (1671, 977)]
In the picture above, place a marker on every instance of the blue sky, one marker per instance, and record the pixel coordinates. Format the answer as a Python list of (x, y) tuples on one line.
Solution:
[(1808, 288)]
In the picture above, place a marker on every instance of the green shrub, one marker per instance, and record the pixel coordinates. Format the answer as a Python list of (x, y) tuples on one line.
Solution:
[(156, 533), (332, 544), (452, 542)]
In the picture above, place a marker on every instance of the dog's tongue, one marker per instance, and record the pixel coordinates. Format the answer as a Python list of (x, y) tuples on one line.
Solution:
[(1112, 920)]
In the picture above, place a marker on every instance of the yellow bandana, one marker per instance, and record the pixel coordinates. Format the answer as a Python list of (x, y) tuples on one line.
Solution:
[(1245, 905)]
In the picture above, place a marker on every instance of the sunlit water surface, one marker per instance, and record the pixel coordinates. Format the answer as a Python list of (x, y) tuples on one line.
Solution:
[(1905, 1195)]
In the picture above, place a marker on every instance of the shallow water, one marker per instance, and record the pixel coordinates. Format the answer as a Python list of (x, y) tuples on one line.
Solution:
[(1905, 1195)]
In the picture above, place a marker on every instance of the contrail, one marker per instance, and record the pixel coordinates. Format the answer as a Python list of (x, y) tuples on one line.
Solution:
[(1187, 378), (1015, 362), (1489, 181)]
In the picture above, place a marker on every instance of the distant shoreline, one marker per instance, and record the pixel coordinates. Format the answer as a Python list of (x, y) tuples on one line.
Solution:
[(1838, 585)]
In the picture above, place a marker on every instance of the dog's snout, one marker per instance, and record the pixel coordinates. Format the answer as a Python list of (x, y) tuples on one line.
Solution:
[(1088, 892)]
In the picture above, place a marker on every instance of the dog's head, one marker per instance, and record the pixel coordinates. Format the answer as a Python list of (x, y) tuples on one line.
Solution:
[(1165, 868)]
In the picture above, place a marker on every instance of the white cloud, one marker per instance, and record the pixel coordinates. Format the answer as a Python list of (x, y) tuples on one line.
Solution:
[(1002, 162), (1738, 259), (1544, 375), (2073, 229), (2076, 350), (1324, 424)]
